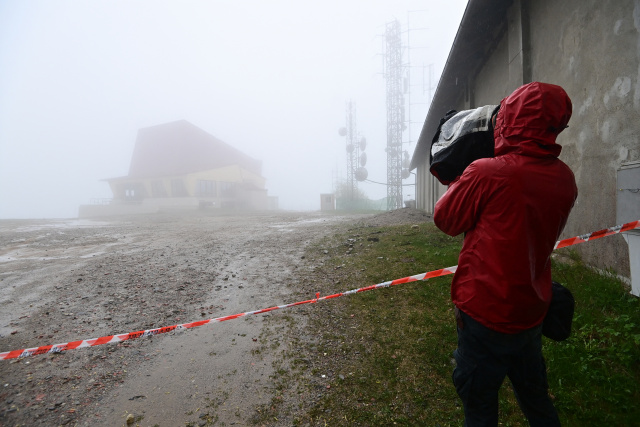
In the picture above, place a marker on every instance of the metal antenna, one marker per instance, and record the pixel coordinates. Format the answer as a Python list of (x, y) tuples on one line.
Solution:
[(395, 113), (356, 156)]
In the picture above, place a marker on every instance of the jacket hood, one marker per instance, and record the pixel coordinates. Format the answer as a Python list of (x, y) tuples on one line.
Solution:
[(530, 119)]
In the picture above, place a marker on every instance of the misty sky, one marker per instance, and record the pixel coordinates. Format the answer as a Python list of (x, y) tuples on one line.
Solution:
[(271, 78)]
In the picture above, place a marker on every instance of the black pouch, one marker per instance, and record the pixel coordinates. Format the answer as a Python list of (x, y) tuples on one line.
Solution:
[(557, 323), (461, 138)]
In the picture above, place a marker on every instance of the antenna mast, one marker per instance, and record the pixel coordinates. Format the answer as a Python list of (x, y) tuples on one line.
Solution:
[(356, 156), (395, 113)]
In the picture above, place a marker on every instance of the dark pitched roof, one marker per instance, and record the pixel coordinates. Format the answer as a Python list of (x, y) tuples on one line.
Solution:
[(178, 148)]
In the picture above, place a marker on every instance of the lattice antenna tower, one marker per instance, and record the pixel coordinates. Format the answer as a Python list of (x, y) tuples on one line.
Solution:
[(355, 150), (352, 151), (393, 73)]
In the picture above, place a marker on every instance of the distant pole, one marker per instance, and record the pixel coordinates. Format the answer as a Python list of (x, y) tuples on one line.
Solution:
[(352, 150)]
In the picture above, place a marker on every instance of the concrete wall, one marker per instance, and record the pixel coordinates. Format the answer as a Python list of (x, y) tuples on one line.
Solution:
[(592, 49), (492, 82), (488, 87)]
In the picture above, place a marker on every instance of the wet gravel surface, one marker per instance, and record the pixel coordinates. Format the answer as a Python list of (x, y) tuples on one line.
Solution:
[(70, 280)]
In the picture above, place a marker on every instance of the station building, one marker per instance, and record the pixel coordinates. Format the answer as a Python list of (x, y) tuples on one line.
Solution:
[(178, 166)]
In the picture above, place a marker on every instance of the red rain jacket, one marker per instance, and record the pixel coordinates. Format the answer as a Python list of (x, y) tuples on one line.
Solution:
[(512, 208)]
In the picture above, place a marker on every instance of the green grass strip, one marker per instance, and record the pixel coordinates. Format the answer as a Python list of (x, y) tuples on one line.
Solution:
[(388, 354)]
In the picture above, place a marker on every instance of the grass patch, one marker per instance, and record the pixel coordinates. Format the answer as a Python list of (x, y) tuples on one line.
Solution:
[(595, 374), (384, 357)]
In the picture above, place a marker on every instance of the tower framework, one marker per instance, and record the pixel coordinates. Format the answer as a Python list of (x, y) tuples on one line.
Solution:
[(395, 113), (353, 151)]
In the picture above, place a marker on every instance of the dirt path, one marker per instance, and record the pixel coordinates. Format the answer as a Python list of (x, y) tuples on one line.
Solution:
[(70, 280)]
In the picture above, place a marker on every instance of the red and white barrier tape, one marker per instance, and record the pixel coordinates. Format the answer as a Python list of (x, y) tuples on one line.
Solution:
[(58, 348), (597, 234)]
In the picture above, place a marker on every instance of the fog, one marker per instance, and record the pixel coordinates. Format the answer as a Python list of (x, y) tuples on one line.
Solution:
[(270, 78)]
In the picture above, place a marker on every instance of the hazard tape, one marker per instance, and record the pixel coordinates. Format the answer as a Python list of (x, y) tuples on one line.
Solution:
[(59, 348), (597, 234)]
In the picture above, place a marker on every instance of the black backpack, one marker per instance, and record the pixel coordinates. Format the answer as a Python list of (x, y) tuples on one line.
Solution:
[(557, 323), (461, 138)]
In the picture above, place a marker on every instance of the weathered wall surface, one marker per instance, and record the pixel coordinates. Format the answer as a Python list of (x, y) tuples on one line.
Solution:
[(492, 83), (592, 49), (489, 87)]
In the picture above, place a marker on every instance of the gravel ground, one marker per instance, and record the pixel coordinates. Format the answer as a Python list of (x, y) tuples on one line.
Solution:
[(66, 280)]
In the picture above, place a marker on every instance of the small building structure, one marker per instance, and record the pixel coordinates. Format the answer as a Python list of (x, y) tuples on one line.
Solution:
[(328, 202), (180, 166)]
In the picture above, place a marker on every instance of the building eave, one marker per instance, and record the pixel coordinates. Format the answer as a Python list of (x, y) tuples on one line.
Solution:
[(482, 23)]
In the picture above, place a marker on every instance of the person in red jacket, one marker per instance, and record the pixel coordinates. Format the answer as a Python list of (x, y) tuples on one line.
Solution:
[(512, 209)]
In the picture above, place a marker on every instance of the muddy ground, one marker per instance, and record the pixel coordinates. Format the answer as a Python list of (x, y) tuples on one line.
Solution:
[(67, 280)]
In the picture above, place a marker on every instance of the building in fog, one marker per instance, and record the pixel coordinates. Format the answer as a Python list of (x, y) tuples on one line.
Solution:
[(328, 202), (179, 166)]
